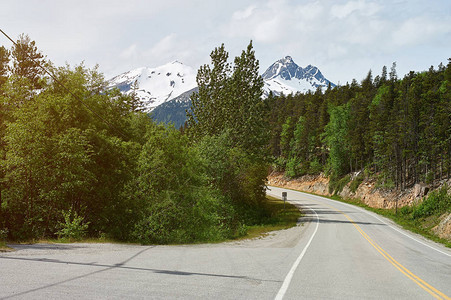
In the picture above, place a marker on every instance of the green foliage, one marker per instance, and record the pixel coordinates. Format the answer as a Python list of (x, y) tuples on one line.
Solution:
[(3, 234), (227, 121), (230, 100), (436, 203), (315, 167), (396, 129), (355, 183), (73, 228), (335, 138), (292, 169), (336, 185)]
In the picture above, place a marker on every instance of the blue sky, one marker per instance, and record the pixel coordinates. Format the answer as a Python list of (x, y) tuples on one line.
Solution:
[(343, 38)]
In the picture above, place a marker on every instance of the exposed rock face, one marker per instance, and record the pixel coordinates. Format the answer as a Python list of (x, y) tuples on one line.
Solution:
[(367, 193), (443, 229)]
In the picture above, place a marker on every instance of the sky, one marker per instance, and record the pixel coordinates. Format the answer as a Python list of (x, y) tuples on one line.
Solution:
[(343, 38)]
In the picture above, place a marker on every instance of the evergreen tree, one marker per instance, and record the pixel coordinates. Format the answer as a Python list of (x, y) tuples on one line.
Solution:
[(209, 106), (28, 61)]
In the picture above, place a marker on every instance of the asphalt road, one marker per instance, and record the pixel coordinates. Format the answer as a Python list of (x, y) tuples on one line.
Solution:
[(337, 252)]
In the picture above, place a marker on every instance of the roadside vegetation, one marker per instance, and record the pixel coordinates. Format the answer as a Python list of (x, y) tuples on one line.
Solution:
[(280, 216), (79, 161), (420, 218)]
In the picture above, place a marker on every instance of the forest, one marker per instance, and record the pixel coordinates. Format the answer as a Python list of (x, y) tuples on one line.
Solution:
[(77, 159), (397, 130)]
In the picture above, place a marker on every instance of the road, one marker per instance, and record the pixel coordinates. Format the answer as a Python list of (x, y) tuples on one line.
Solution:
[(337, 252)]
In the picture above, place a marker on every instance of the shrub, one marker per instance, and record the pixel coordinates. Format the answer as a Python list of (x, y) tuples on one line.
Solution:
[(3, 234), (292, 168), (355, 183), (336, 185), (438, 202), (315, 167), (73, 228)]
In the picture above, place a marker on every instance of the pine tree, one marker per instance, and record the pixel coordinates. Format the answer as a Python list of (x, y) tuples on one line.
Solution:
[(230, 101), (208, 106), (28, 61)]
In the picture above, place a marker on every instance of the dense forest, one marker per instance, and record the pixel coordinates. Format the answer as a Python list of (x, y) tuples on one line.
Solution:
[(79, 159), (397, 130)]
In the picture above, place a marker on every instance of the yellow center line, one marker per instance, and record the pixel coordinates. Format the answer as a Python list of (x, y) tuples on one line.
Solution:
[(420, 282)]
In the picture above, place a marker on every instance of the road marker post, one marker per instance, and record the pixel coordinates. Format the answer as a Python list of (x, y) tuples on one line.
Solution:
[(284, 197)]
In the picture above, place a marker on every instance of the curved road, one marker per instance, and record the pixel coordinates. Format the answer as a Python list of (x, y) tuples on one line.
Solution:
[(337, 252)]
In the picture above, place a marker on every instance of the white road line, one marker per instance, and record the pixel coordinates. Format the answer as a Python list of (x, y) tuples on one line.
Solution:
[(283, 289), (375, 216)]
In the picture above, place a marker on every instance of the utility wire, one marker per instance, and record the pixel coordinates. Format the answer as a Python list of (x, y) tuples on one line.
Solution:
[(70, 92)]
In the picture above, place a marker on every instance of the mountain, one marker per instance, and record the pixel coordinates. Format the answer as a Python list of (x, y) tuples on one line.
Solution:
[(166, 90), (157, 85), (174, 111), (285, 76)]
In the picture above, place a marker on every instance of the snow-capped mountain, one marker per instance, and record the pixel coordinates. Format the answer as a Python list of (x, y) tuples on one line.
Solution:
[(285, 76), (157, 85), (172, 85)]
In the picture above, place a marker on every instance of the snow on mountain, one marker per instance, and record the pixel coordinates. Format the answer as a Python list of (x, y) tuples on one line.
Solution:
[(157, 85), (171, 82), (285, 76)]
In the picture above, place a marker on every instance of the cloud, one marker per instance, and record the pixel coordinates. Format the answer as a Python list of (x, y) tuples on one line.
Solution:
[(362, 7), (243, 14), (129, 52), (420, 30)]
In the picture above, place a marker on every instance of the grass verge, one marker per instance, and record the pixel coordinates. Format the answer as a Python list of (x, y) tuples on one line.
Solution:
[(4, 248), (280, 216)]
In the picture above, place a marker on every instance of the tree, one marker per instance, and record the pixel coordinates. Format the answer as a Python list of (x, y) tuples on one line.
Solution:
[(4, 67), (335, 137), (230, 101), (209, 106), (28, 61)]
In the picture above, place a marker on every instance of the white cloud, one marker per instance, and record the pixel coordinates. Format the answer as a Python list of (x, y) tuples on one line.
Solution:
[(130, 52), (243, 14), (361, 6), (420, 30)]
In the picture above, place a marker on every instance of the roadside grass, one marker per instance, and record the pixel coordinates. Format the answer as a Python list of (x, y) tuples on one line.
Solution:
[(279, 216), (422, 226), (4, 247)]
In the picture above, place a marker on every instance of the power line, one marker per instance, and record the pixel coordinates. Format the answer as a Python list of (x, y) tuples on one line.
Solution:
[(68, 91)]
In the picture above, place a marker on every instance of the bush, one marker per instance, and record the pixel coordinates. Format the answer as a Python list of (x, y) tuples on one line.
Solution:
[(279, 164), (406, 210), (73, 228), (315, 167), (3, 234), (438, 202), (355, 183), (336, 185)]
